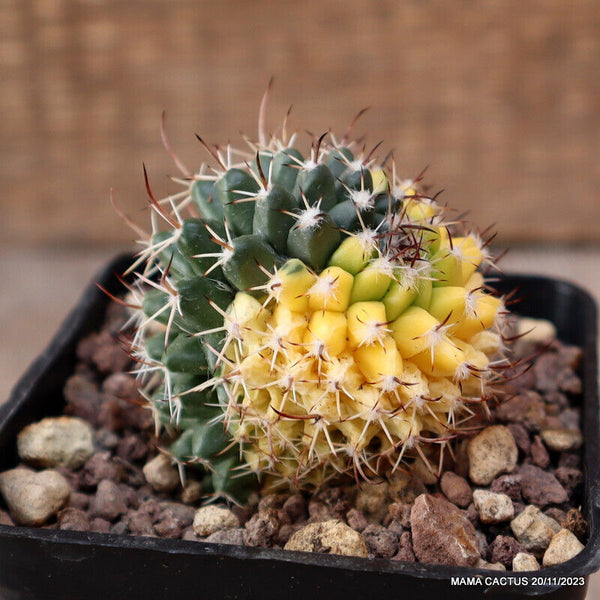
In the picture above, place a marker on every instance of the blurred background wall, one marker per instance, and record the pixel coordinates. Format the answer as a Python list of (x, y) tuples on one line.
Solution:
[(500, 99)]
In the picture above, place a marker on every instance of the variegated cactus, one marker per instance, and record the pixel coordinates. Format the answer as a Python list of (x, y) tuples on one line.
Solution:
[(304, 318)]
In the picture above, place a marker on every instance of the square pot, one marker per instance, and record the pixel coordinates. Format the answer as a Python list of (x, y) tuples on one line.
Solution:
[(67, 565)]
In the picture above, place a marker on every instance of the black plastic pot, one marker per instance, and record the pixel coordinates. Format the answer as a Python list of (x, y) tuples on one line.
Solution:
[(65, 565)]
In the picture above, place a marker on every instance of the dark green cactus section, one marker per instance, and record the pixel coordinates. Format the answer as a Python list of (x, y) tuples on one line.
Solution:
[(235, 190), (253, 218), (314, 244), (251, 257), (317, 186), (272, 218), (285, 168)]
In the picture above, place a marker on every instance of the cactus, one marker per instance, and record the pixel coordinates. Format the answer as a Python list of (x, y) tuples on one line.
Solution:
[(316, 316)]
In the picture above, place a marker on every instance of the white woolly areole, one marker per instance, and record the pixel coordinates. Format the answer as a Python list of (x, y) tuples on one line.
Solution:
[(362, 199), (310, 217)]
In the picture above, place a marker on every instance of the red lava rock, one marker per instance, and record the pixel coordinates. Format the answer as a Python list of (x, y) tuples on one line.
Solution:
[(121, 385), (399, 513), (336, 500), (570, 418), (129, 495), (518, 380), (519, 507), (539, 454), (568, 381), (570, 355), (79, 500), (508, 484), (168, 526), (381, 543), (405, 548), (140, 523), (283, 517), (234, 535), (571, 460), (545, 368), (540, 487), (261, 529), (99, 525), (356, 519), (98, 467), (472, 514), (441, 534), (557, 399), (271, 501), (107, 439), (110, 415), (83, 398), (73, 519), (521, 436), (555, 513), (285, 533), (503, 549), (108, 354), (295, 506), (570, 479), (132, 449), (318, 512), (108, 503), (456, 489), (527, 408)]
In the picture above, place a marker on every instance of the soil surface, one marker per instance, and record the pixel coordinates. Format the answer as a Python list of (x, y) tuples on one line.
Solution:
[(509, 499)]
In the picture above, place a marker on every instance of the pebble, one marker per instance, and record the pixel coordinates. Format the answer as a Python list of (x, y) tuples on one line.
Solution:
[(493, 507), (535, 331), (381, 543), (503, 550), (160, 474), (523, 561), (483, 564), (527, 408), (405, 548), (456, 489), (441, 533), (541, 487), (100, 466), (356, 520), (209, 519), (491, 452), (563, 546), (509, 485), (56, 442), (192, 492), (570, 479), (261, 528), (73, 519), (99, 525), (521, 436), (109, 502), (234, 535), (562, 440), (33, 498), (295, 507), (332, 537), (539, 454), (534, 529)]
